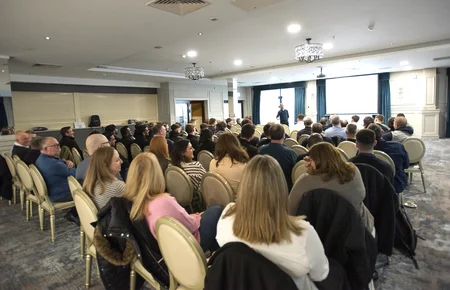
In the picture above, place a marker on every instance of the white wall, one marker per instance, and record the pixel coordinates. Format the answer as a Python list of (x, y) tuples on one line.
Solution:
[(311, 100), (442, 93)]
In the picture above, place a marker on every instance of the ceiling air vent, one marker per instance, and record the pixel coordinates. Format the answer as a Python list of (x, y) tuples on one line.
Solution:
[(179, 7), (441, 58), (46, 65)]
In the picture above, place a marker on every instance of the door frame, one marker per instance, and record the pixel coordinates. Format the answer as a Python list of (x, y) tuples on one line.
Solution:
[(205, 106)]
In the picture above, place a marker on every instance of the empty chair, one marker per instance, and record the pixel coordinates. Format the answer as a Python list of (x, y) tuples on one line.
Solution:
[(302, 138), (182, 254), (122, 149), (85, 154), (294, 134), (289, 142), (416, 150), (299, 150), (386, 158), (76, 156), (298, 170), (75, 185), (205, 157), (259, 127), (286, 129), (46, 204), (235, 128), (179, 185), (257, 134), (135, 150), (349, 148), (16, 184), (216, 190), (28, 186)]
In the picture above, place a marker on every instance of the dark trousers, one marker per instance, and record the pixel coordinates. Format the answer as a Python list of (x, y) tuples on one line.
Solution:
[(285, 122), (208, 228)]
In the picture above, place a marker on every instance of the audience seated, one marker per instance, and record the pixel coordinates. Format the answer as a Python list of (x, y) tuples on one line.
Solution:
[(22, 144), (367, 121), (365, 142), (206, 142), (113, 130), (140, 136), (245, 138), (220, 129), (327, 169), (182, 156), (190, 129), (229, 123), (355, 120), (300, 122), (350, 131), (401, 132), (390, 123), (101, 182), (379, 121), (68, 140), (161, 130), (266, 139), (260, 219), (127, 139), (229, 160), (93, 142), (125, 163), (175, 133), (324, 122), (150, 201), (313, 139), (238, 121), (255, 140), (344, 123), (285, 156), (33, 154), (307, 127), (203, 126), (158, 146), (212, 125), (336, 129), (317, 128), (398, 154)]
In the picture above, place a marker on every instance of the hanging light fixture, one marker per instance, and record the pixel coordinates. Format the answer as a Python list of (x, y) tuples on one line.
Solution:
[(194, 73), (309, 52)]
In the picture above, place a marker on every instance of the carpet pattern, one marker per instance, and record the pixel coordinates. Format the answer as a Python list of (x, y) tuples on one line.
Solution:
[(29, 260)]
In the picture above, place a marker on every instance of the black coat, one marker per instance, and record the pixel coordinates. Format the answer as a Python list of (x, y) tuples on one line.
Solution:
[(208, 146), (379, 164), (31, 156), (236, 266), (194, 141), (127, 141), (5, 180), (71, 143), (21, 152), (251, 150), (118, 241), (343, 234), (141, 141), (382, 202)]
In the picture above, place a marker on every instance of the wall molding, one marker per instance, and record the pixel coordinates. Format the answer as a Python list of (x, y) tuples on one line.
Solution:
[(66, 88)]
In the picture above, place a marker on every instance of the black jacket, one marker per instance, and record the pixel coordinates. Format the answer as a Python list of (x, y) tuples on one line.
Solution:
[(306, 130), (208, 146), (5, 180), (175, 136), (251, 150), (31, 156), (236, 266), (343, 235), (263, 142), (141, 141), (118, 241), (127, 141), (194, 141), (71, 143), (379, 164), (382, 202), (21, 152)]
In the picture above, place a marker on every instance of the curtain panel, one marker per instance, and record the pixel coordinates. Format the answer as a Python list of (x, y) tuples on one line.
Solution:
[(384, 96), (321, 99), (299, 100)]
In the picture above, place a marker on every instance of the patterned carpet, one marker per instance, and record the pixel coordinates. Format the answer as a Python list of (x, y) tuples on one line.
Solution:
[(29, 260)]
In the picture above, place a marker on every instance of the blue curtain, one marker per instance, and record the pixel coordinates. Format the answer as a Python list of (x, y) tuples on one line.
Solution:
[(384, 96), (321, 99), (3, 118), (447, 131), (299, 100), (256, 105)]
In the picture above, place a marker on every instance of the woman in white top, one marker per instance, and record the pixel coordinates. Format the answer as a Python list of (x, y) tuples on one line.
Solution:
[(230, 160), (101, 182), (260, 219)]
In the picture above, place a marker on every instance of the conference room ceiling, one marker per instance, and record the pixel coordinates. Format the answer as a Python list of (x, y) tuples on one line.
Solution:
[(85, 34)]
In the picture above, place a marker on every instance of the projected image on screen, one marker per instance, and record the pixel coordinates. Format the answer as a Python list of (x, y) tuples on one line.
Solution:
[(353, 95)]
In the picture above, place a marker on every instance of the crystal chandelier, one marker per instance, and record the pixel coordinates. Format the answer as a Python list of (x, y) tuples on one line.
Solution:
[(194, 73), (309, 52)]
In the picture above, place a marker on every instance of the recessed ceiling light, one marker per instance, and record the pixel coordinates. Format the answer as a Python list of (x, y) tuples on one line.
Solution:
[(158, 47), (200, 34), (3, 70), (183, 56), (403, 63), (328, 45), (192, 53), (213, 19), (391, 43), (238, 62), (47, 37), (294, 28), (407, 68)]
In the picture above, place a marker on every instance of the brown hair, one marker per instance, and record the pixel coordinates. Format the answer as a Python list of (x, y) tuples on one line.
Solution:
[(158, 146), (98, 172), (228, 145), (261, 209), (330, 163)]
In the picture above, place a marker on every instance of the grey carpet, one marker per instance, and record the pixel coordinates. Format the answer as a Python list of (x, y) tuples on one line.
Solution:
[(29, 260)]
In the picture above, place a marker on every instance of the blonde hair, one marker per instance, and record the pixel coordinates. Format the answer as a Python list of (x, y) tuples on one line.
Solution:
[(261, 209), (158, 146), (329, 162), (98, 172), (145, 181)]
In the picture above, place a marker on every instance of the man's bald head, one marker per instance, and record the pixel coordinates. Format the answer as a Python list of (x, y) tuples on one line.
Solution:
[(23, 138), (95, 141), (50, 146)]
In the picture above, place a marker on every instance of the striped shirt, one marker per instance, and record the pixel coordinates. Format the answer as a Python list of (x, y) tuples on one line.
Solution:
[(195, 171), (112, 189)]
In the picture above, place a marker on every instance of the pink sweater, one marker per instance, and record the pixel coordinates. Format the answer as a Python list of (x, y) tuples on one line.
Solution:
[(166, 205)]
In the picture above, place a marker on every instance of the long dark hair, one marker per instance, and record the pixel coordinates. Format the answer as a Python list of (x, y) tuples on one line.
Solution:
[(229, 145), (177, 155), (205, 135)]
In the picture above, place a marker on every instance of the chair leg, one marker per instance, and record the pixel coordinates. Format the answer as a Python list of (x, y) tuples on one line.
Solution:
[(27, 212), (132, 277), (41, 217), (88, 270), (22, 199), (31, 209), (400, 198), (82, 242), (52, 226), (423, 177), (14, 194)]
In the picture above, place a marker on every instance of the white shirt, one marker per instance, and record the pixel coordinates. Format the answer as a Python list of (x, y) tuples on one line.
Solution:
[(303, 258), (299, 126)]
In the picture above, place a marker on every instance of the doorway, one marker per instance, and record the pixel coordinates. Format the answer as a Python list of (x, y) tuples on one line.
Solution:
[(187, 110)]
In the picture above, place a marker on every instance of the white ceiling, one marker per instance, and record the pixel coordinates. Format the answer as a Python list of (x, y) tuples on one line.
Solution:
[(85, 34)]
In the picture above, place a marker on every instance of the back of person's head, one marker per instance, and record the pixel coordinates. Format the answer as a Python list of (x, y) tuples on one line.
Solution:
[(247, 131), (145, 180), (228, 120), (400, 122), (189, 128), (93, 142), (317, 128), (323, 121), (205, 135), (400, 115), (375, 128), (228, 145), (307, 121), (64, 130), (276, 132), (111, 137), (124, 131), (330, 164), (110, 128), (203, 126), (192, 121), (365, 139), (355, 118), (36, 143), (367, 121), (99, 172), (300, 117), (390, 123), (246, 121), (159, 147), (267, 130), (158, 127), (238, 120), (313, 139), (261, 208), (175, 127), (380, 118), (177, 154), (211, 122), (351, 129), (336, 121), (344, 123), (221, 126)]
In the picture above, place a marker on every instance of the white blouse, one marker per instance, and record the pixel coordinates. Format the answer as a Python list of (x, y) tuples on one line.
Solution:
[(303, 258)]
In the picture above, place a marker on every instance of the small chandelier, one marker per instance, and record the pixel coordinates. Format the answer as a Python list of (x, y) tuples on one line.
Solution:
[(309, 52), (194, 73)]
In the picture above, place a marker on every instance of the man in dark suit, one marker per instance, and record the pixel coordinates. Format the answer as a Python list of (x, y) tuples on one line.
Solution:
[(307, 130), (34, 152), (127, 139), (68, 139), (365, 142), (283, 115), (22, 144), (247, 132)]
